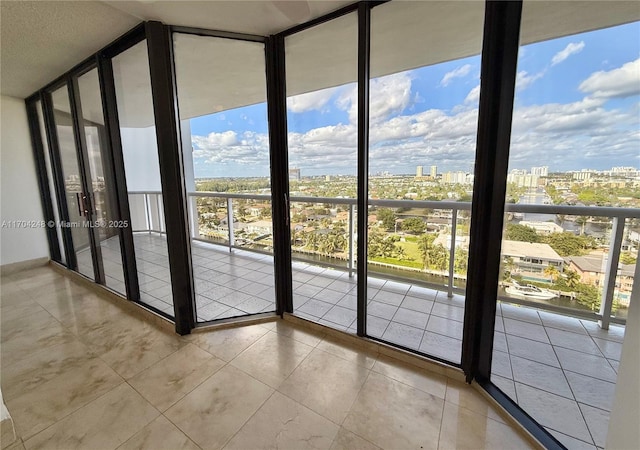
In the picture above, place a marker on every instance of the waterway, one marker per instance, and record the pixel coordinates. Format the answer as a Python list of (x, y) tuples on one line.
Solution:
[(539, 197)]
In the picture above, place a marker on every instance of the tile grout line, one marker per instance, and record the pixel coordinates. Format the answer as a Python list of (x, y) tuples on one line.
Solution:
[(570, 388)]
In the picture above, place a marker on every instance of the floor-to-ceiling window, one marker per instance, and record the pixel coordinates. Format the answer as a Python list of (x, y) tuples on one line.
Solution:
[(574, 149), (221, 90), (321, 74), (424, 91), (142, 170), (50, 180)]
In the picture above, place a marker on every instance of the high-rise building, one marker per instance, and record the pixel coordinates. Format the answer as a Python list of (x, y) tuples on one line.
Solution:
[(294, 174), (434, 171), (541, 171), (418, 171)]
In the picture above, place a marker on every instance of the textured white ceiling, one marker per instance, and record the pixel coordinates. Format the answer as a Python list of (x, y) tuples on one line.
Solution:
[(260, 17), (40, 40)]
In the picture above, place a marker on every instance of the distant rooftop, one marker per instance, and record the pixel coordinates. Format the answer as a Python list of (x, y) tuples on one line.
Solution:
[(524, 249)]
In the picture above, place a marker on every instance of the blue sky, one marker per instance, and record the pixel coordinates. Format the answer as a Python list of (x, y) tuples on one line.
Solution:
[(577, 106)]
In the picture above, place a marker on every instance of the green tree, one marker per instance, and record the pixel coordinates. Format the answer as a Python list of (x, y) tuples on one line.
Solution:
[(582, 221), (523, 233), (571, 278), (568, 244), (627, 258), (387, 217), (439, 257), (425, 244), (414, 225), (552, 272), (460, 261)]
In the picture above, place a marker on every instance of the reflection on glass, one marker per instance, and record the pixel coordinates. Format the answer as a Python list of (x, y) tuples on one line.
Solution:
[(103, 194), (424, 109), (52, 190), (574, 143), (322, 135), (72, 180), (223, 121), (142, 171)]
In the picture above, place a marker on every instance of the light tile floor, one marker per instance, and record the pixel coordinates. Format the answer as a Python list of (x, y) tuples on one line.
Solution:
[(80, 372), (570, 363)]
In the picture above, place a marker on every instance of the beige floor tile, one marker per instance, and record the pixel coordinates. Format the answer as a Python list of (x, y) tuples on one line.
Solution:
[(213, 412), (462, 394), (14, 298), (360, 356), (103, 424), (18, 445), (228, 343), (9, 314), (7, 433), (272, 358), (282, 423), (43, 366), (299, 333), (326, 384), (51, 401), (464, 429), (422, 379), (55, 287), (23, 338), (82, 313), (20, 326), (346, 440), (159, 435), (132, 346), (393, 415), (173, 377)]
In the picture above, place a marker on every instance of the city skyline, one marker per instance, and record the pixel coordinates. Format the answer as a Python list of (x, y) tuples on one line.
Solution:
[(299, 173), (576, 105)]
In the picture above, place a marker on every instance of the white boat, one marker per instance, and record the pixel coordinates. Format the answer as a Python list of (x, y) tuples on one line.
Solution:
[(529, 291)]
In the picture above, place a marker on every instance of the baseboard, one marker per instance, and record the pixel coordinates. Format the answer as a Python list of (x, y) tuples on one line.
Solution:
[(9, 269)]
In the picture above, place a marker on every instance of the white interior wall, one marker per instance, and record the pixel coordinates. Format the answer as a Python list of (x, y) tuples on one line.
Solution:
[(141, 164), (19, 191)]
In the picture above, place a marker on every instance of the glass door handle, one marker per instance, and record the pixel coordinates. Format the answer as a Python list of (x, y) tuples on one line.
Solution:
[(79, 203)]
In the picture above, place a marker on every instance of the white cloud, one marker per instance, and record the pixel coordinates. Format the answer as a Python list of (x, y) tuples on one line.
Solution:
[(315, 100), (460, 72), (473, 96), (617, 83), (571, 49), (389, 95), (564, 136), (524, 80)]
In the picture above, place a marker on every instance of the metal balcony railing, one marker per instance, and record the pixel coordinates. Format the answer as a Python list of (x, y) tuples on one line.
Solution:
[(146, 215)]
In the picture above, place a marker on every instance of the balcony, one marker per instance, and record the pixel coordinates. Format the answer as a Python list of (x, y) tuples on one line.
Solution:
[(559, 363)]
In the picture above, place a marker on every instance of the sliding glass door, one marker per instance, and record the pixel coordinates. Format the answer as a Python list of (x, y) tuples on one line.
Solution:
[(100, 183), (82, 155), (64, 145)]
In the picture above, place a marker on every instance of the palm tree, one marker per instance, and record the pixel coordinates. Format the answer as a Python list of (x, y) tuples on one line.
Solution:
[(582, 221), (572, 278), (552, 273), (561, 218), (425, 243)]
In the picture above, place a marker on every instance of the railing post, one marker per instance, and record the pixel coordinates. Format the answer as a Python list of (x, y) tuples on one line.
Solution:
[(230, 223), (617, 231), (352, 214), (452, 250), (147, 211), (193, 216)]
